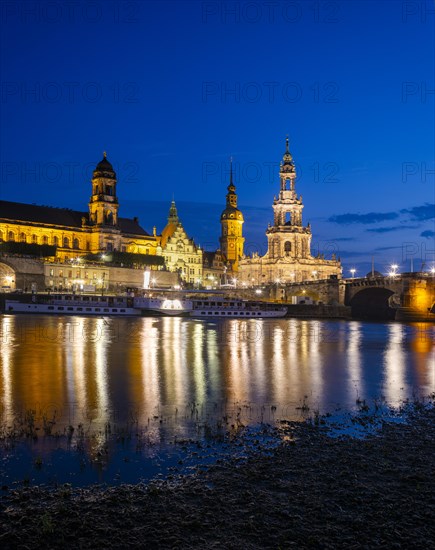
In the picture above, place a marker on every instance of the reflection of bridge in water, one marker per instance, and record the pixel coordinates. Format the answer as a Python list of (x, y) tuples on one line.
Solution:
[(407, 296)]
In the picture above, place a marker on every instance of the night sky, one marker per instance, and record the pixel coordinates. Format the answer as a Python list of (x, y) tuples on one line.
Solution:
[(172, 89)]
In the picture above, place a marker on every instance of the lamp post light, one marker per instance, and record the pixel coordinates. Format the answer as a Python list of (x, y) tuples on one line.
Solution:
[(393, 271), (353, 271)]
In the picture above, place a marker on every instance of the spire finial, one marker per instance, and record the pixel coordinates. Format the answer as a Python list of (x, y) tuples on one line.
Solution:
[(286, 145), (231, 170), (104, 154)]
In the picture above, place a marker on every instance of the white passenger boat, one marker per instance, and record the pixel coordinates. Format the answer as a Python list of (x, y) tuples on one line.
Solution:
[(74, 304), (209, 307), (245, 309)]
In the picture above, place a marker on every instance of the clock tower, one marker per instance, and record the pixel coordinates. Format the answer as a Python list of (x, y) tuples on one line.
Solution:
[(231, 240)]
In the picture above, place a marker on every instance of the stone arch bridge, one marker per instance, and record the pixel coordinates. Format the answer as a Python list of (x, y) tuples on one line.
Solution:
[(403, 296)]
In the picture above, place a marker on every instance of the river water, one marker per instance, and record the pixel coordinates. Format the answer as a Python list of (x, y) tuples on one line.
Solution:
[(166, 376)]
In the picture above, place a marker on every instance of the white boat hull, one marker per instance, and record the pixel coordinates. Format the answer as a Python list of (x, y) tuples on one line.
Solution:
[(63, 309), (245, 314)]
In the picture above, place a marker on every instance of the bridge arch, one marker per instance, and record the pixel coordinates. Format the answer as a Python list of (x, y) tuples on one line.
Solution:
[(7, 276), (373, 303)]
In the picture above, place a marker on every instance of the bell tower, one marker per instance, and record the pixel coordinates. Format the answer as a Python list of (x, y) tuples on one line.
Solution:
[(103, 205), (232, 240), (287, 237)]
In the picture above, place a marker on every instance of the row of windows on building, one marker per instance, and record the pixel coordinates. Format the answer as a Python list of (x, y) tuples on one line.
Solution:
[(65, 242), (78, 274), (169, 260)]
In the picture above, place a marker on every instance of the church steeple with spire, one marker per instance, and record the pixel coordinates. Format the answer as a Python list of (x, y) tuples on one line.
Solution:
[(231, 240), (173, 214), (288, 258)]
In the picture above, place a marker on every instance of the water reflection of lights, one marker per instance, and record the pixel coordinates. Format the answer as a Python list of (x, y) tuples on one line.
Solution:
[(395, 386), (7, 338), (198, 363), (174, 361), (167, 363), (149, 340), (101, 382), (355, 380)]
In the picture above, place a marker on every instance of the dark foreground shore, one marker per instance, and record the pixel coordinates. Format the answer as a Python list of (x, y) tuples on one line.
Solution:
[(313, 492)]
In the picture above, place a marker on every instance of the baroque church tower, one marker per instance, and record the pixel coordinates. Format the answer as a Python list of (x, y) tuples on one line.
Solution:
[(288, 238), (231, 240), (288, 258), (103, 206)]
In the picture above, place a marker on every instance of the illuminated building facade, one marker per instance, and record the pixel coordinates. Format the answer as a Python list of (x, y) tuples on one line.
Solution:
[(288, 258), (180, 252), (74, 233)]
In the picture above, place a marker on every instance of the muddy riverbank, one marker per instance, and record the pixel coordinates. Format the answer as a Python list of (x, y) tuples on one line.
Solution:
[(313, 491)]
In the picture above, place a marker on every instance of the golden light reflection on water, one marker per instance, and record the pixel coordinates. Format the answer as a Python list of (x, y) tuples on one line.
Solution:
[(395, 367), (99, 370)]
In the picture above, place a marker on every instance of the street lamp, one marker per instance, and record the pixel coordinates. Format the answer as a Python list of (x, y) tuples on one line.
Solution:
[(352, 271), (393, 271)]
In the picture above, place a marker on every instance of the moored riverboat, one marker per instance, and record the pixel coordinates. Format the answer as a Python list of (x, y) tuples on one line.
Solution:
[(221, 307), (74, 304), (208, 307)]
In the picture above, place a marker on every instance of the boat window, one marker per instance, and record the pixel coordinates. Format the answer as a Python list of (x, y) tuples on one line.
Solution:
[(106, 309), (50, 307), (123, 310), (97, 309), (259, 313), (86, 298), (216, 312), (114, 310), (70, 309), (60, 308), (88, 309), (212, 303), (79, 309), (202, 312)]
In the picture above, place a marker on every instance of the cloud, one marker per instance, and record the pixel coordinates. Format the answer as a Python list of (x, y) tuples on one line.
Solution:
[(428, 234), (389, 229), (383, 248), (371, 217), (421, 213), (342, 239)]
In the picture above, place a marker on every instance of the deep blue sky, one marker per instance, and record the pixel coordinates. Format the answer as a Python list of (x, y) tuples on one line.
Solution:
[(172, 89)]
